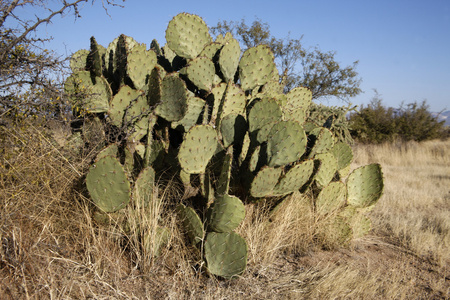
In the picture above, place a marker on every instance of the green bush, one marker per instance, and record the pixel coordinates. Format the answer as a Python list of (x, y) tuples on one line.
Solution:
[(376, 123)]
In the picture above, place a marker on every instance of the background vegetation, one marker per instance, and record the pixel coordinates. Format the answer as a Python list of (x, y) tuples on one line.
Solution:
[(376, 123)]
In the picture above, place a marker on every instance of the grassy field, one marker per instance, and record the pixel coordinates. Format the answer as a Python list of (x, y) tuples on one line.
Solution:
[(51, 249)]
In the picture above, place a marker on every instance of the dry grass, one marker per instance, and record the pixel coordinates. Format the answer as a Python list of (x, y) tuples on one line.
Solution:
[(415, 209), (51, 248)]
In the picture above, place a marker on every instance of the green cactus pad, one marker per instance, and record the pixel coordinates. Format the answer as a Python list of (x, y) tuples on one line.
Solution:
[(187, 35), (192, 224), (344, 172), (298, 115), (169, 54), (286, 143), (195, 106), (233, 128), (331, 198), (229, 59), (337, 230), (92, 96), (127, 106), (263, 112), (206, 188), (265, 181), (255, 67), (225, 214), (173, 103), (327, 169), (143, 187), (140, 63), (365, 186), (197, 148), (201, 72), (323, 140), (234, 101), (343, 154), (211, 50), (254, 159), (78, 60), (263, 132), (360, 224), (215, 99), (110, 150), (295, 178), (108, 184), (273, 88), (244, 149), (226, 254), (223, 39), (298, 98)]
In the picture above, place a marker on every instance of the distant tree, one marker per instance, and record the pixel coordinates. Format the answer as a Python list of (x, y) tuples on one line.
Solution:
[(312, 68), (28, 71)]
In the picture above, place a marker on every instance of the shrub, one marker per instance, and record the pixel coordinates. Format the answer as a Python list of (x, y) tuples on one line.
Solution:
[(377, 123)]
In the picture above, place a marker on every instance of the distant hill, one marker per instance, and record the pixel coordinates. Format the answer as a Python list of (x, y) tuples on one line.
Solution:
[(444, 116)]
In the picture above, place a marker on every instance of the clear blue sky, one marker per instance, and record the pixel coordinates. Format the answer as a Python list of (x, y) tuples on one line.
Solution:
[(403, 47)]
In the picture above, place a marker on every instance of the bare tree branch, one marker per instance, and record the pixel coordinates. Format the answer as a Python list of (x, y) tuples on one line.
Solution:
[(29, 74)]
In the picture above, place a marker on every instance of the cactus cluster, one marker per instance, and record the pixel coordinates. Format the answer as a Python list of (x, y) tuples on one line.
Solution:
[(220, 122)]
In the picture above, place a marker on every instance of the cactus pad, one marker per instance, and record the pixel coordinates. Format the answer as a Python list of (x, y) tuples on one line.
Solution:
[(92, 96), (192, 224), (262, 113), (226, 254), (286, 143), (229, 59), (198, 146), (365, 186), (225, 214), (295, 178), (201, 72), (187, 35), (264, 182), (143, 187), (78, 60), (255, 67), (140, 63), (327, 169), (323, 140), (108, 184), (343, 154), (331, 198), (173, 102), (233, 128)]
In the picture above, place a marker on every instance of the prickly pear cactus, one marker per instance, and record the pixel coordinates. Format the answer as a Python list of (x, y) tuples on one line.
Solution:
[(219, 122)]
